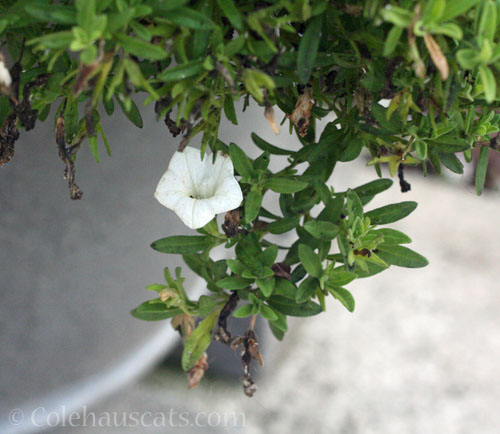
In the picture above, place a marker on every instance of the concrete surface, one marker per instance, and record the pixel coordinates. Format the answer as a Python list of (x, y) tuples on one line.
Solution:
[(420, 354)]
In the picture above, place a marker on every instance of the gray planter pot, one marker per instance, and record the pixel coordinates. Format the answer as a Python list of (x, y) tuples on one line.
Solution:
[(72, 270)]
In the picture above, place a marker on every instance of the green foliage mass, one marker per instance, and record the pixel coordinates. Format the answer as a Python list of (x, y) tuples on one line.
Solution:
[(434, 62)]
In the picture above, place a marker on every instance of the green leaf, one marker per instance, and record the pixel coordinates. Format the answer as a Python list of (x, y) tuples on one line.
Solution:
[(249, 253), (308, 48), (243, 311), (53, 13), (235, 266), (481, 169), (391, 213), (198, 341), (232, 13), (285, 185), (489, 83), (322, 230), (253, 201), (454, 8), (182, 244), (342, 295), (268, 313), (266, 146), (240, 161), (367, 191), (401, 256), (187, 17), (396, 15), (140, 48), (234, 283), (340, 277), (488, 22), (182, 71), (451, 162), (310, 260), (269, 255), (391, 236), (229, 110), (282, 225), (266, 286), (148, 311), (306, 289), (133, 114), (288, 306), (392, 40)]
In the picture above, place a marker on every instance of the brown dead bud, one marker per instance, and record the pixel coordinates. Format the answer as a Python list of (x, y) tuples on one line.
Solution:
[(166, 294), (363, 252), (84, 73), (197, 372), (184, 324), (231, 223), (281, 269), (437, 56), (302, 113), (259, 225), (269, 115), (222, 333)]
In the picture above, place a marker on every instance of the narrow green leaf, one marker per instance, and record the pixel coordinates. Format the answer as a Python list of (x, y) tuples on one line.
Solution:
[(285, 185), (392, 40), (229, 110), (234, 283), (282, 225), (451, 162), (182, 71), (344, 296), (401, 256), (133, 115), (308, 48), (322, 230), (240, 161), (454, 8), (243, 311), (310, 260), (481, 169), (391, 213), (198, 341), (391, 236), (190, 18), (266, 146), (148, 311), (266, 286), (288, 306), (253, 201), (489, 83), (182, 244), (249, 253), (306, 289), (340, 277), (140, 48), (232, 13)]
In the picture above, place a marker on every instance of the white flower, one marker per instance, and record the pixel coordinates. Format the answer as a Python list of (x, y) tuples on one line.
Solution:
[(196, 189), (5, 78)]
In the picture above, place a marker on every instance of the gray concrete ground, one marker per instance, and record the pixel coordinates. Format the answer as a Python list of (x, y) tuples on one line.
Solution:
[(420, 354)]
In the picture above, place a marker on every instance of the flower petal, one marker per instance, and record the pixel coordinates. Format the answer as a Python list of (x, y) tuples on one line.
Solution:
[(228, 196)]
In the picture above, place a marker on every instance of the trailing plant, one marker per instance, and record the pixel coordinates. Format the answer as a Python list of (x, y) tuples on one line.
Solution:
[(410, 82)]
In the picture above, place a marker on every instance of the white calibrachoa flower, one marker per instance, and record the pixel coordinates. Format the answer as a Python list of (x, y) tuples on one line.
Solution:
[(5, 78), (196, 189)]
